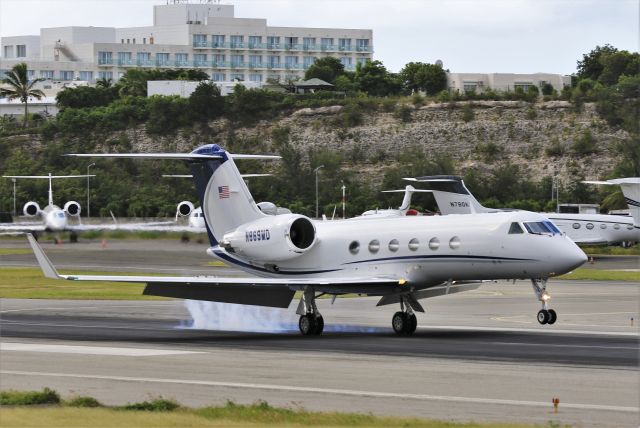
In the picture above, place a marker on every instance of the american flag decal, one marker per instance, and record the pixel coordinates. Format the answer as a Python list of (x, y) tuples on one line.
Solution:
[(223, 192)]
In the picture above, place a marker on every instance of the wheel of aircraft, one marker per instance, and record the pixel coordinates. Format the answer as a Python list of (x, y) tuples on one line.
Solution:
[(403, 323), (413, 324), (319, 325), (552, 316), (543, 316), (307, 324)]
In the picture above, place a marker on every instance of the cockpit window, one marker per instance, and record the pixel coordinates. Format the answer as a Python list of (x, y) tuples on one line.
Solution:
[(540, 227), (515, 228)]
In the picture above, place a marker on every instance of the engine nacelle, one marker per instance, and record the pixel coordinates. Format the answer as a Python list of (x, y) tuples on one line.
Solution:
[(185, 208), (31, 209), (274, 238), (72, 208)]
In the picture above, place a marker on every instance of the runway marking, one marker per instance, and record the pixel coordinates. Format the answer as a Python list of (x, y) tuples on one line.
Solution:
[(565, 346), (542, 330), (90, 350), (67, 308), (331, 391)]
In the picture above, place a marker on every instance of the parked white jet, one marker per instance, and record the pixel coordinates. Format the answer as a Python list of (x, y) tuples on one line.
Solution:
[(453, 197), (402, 260), (56, 219)]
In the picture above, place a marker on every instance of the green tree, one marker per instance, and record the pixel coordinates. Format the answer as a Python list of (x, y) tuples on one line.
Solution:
[(374, 79), (103, 82), (327, 69), (19, 87), (591, 65), (86, 96), (419, 76), (618, 64), (206, 103)]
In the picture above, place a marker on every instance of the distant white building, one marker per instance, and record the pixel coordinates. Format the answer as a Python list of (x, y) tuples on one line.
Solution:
[(205, 36), (479, 82)]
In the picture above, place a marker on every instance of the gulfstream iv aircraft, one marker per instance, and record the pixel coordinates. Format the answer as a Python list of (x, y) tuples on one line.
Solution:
[(453, 197), (401, 260)]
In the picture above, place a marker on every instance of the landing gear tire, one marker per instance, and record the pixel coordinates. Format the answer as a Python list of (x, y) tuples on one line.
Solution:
[(307, 324), (413, 324), (400, 322), (319, 321), (552, 316), (543, 316)]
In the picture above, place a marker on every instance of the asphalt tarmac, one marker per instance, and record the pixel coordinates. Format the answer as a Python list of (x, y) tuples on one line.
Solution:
[(477, 356)]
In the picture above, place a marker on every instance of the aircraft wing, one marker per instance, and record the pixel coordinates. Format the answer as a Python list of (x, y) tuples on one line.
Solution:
[(161, 226), (274, 292), (16, 228)]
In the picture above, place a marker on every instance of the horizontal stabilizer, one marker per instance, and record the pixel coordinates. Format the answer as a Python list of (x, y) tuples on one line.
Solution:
[(175, 156), (405, 190), (191, 176), (48, 176), (273, 296)]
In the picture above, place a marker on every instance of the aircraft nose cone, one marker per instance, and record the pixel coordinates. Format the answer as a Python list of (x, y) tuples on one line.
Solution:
[(575, 258)]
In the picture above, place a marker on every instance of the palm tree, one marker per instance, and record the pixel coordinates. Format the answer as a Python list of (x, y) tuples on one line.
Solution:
[(19, 86), (104, 82)]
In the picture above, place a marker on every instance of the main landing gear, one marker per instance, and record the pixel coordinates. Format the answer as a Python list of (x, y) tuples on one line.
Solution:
[(545, 315), (404, 322), (311, 322)]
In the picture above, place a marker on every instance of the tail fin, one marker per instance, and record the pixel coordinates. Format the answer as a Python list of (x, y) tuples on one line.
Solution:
[(451, 195), (631, 191), (224, 197)]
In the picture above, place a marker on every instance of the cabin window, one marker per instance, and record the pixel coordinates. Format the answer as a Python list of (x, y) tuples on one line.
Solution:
[(454, 243), (616, 226), (374, 246), (434, 243), (354, 247), (394, 245), (576, 225), (515, 228), (414, 244), (629, 227), (589, 226), (603, 226)]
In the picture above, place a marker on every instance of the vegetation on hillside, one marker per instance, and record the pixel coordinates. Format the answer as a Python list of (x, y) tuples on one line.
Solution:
[(116, 117)]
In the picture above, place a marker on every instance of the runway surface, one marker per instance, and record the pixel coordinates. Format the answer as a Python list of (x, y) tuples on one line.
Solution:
[(478, 355)]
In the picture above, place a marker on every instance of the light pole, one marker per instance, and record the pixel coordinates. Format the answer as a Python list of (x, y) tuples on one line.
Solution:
[(88, 199), (15, 213), (344, 201), (316, 172)]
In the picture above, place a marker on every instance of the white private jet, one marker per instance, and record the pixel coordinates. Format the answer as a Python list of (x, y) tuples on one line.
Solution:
[(402, 210), (401, 260), (56, 219), (453, 197)]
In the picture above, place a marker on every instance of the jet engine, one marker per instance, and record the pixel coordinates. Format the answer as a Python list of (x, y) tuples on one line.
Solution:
[(72, 208), (276, 238), (185, 208), (31, 209)]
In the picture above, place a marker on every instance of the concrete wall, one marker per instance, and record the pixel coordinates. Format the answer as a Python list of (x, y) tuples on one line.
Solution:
[(174, 14), (504, 81), (31, 43)]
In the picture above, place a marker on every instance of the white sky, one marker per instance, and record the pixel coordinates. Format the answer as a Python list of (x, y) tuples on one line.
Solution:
[(517, 36)]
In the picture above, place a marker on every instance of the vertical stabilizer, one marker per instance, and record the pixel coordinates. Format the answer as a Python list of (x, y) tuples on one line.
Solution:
[(451, 195), (631, 191)]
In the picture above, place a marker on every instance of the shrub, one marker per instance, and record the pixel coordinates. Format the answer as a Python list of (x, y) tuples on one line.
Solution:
[(554, 148), (351, 115), (389, 104), (467, 113), (157, 405), (83, 401), (489, 151), (585, 144), (29, 398), (403, 112), (532, 113)]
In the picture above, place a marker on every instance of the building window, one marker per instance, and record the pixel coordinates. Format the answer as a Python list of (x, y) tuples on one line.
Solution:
[(237, 77), (255, 77), (362, 61), (255, 61), (274, 62), (217, 41), (124, 58), (255, 42), (108, 75), (199, 60), (308, 43), (218, 60), (162, 58), (105, 57), (144, 40), (291, 62), (200, 40), (134, 41), (237, 41), (523, 86), (66, 75), (217, 77), (21, 51), (326, 43), (144, 58), (31, 74), (308, 61), (347, 62), (46, 74), (344, 44), (290, 42), (362, 45), (182, 59), (86, 76), (273, 42), (3, 73), (237, 60)]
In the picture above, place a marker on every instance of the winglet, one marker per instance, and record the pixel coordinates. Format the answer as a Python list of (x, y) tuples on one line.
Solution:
[(47, 267)]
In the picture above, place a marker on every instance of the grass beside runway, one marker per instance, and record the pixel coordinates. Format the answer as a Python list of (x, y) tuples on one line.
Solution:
[(28, 283), (602, 275), (612, 250), (88, 412)]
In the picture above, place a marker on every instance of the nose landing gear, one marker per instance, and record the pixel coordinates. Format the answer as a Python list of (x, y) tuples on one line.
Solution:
[(310, 322), (545, 315), (404, 322)]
